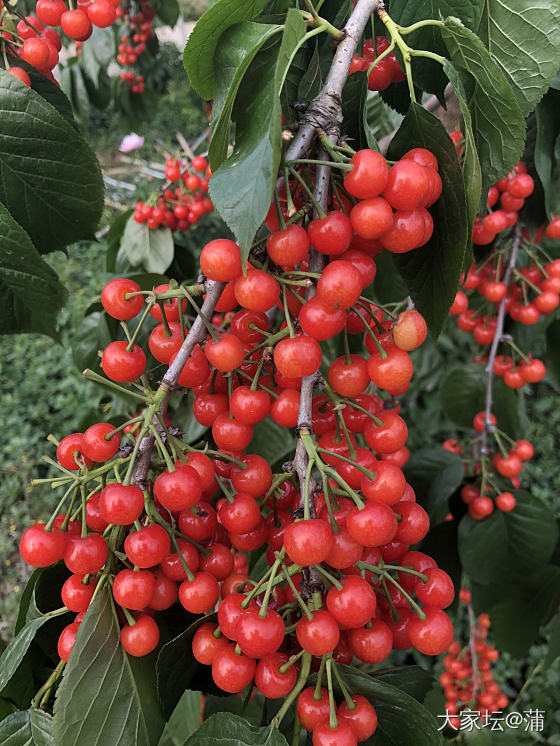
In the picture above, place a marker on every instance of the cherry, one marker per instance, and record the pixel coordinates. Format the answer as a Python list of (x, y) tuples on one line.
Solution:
[(340, 284), (75, 595), (381, 75), (86, 555), (164, 346), (206, 407), (241, 515), (341, 735), (524, 450), (205, 644), (41, 548), (195, 371), (199, 595), (243, 322), (354, 604), (248, 406), (101, 13), (393, 372), (50, 11), (120, 504), (257, 291), (331, 234), (95, 445), (170, 305), (258, 635), (374, 525), (480, 507), (119, 363), (76, 24), (388, 486), (20, 74), (362, 718), (505, 502), (369, 175), (553, 229), (219, 562), (204, 467), (255, 477), (410, 229), (297, 356), (432, 635), (172, 566), (414, 523), (373, 644), (319, 320), (232, 672), (533, 371), (220, 260), (35, 51), (69, 452), (312, 711), (270, 681), (230, 434), (164, 594), (66, 641), (410, 330), (225, 354), (179, 489), (372, 217), (437, 591), (308, 542), (199, 522), (148, 546), (140, 638), (349, 377), (387, 437), (133, 589), (319, 635), (284, 410), (507, 466), (289, 246)]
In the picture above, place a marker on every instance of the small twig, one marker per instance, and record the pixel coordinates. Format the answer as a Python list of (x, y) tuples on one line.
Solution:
[(472, 646), (498, 335)]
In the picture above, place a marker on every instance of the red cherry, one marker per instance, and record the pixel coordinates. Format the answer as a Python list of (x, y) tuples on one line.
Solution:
[(369, 175), (121, 504), (372, 645), (220, 260), (258, 635), (308, 542), (87, 555), (341, 735), (249, 407), (205, 645), (225, 354), (437, 591), (199, 595), (319, 635), (372, 217), (289, 246), (66, 641), (140, 638), (331, 234), (349, 378), (41, 548), (96, 446), (362, 718), (101, 13), (319, 320), (133, 589), (113, 294), (232, 672), (258, 291), (230, 434), (69, 452), (312, 711), (120, 364), (297, 356), (432, 635), (340, 285), (270, 681), (76, 24), (354, 604), (148, 546), (179, 489), (374, 525)]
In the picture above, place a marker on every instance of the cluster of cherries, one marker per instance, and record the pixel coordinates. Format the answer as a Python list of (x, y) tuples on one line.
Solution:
[(178, 207), (138, 29), (458, 679), (37, 42), (385, 72), (483, 494)]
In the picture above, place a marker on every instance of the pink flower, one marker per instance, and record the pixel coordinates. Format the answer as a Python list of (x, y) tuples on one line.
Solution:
[(131, 142)]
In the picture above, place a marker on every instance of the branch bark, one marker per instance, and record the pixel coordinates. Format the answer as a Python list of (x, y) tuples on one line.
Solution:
[(196, 334), (487, 426)]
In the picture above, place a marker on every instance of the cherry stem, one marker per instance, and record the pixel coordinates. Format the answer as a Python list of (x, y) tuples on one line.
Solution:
[(186, 568), (255, 381), (306, 496), (58, 508), (315, 162), (132, 340), (332, 150), (227, 493), (418, 611), (355, 405), (129, 618), (45, 690), (280, 479), (293, 659), (134, 454), (333, 722), (303, 606), (501, 446), (164, 452), (210, 329), (345, 693), (331, 578), (326, 490), (300, 683), (287, 314), (118, 429), (279, 215), (317, 207), (90, 375), (275, 566)]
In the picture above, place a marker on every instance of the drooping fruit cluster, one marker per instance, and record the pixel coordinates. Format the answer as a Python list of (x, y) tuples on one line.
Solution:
[(384, 72), (136, 30), (178, 207), (468, 682)]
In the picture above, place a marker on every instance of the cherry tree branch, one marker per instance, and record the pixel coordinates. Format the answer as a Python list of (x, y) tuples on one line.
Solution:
[(498, 335), (196, 334)]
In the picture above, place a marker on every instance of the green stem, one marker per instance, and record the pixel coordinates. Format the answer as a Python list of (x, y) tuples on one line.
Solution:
[(299, 599), (333, 722), (138, 329), (331, 578), (345, 693), (292, 696), (90, 375)]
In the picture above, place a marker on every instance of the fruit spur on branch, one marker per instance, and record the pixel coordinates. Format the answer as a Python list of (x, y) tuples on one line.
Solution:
[(161, 522), (515, 282)]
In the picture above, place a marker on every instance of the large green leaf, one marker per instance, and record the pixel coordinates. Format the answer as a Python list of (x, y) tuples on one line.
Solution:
[(243, 185), (428, 73), (270, 442), (198, 57), (227, 729), (402, 720), (434, 474), (547, 152), (354, 97), (105, 696), (524, 41), (50, 179), (498, 124), (432, 272), (98, 52), (462, 395), (413, 680), (184, 720), (28, 728), (237, 49), (142, 247), (168, 11), (505, 543), (30, 292)]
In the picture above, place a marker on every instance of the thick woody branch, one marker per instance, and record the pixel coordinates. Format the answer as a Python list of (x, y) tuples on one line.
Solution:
[(498, 335), (196, 334)]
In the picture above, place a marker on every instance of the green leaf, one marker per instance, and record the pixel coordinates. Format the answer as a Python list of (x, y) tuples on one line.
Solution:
[(114, 238), (311, 81), (524, 41), (50, 179), (182, 417), (26, 597), (184, 720), (413, 680), (553, 349), (176, 667), (28, 728), (142, 247), (472, 173), (237, 49), (198, 57), (242, 187), (168, 11), (553, 631), (432, 272), (98, 52), (17, 648), (388, 285), (463, 392), (504, 543), (498, 124), (547, 155), (354, 95), (270, 442), (30, 291), (232, 730), (105, 696), (402, 721), (434, 474)]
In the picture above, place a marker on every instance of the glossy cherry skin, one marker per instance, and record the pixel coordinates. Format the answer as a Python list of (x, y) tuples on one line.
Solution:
[(289, 246), (133, 589), (319, 320), (76, 596), (172, 566), (96, 446), (199, 595), (311, 711), (232, 672), (220, 260), (147, 547), (41, 548), (258, 635), (121, 504), (121, 365), (308, 542), (432, 635), (362, 719), (179, 489), (340, 284), (437, 591), (371, 645), (140, 638), (86, 556), (342, 735), (165, 592), (331, 234), (369, 175), (113, 295), (270, 681), (258, 291), (298, 356), (354, 604), (374, 525), (229, 434), (249, 407), (205, 645), (240, 516), (66, 641), (69, 452), (319, 635), (349, 378)]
